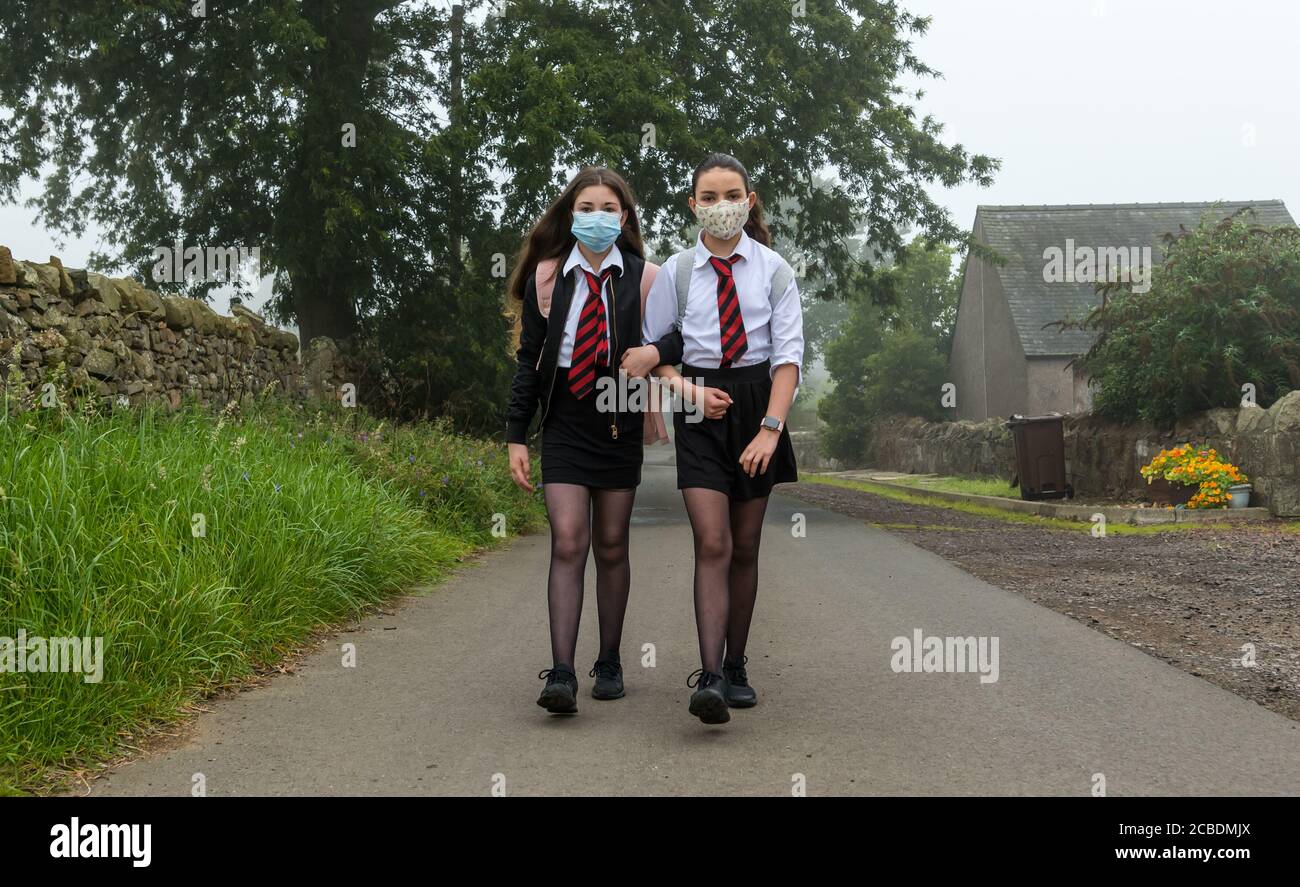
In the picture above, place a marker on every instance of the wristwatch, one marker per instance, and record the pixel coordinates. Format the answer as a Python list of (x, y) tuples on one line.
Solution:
[(772, 423)]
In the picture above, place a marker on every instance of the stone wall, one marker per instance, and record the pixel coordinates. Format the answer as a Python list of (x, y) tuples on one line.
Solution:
[(1102, 458), (117, 339), (808, 453)]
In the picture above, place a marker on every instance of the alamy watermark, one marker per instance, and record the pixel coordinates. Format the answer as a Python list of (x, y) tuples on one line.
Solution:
[(638, 394), (178, 263), (947, 655), (33, 654), (1086, 264)]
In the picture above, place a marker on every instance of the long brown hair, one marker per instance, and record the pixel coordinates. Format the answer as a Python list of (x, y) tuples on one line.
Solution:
[(755, 227), (551, 237)]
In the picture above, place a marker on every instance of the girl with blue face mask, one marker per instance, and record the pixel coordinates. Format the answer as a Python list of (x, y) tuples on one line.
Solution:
[(579, 277)]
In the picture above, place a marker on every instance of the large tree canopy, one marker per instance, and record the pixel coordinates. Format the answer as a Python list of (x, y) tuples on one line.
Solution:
[(795, 90), (231, 128)]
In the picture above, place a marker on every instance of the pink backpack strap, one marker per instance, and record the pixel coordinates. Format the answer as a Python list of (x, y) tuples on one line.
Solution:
[(648, 275), (544, 277), (654, 429)]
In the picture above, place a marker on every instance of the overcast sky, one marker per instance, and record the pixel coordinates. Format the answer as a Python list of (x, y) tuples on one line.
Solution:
[(1119, 101), (1084, 101)]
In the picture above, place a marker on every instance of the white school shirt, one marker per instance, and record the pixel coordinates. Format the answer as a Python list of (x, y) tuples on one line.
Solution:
[(773, 327), (614, 259)]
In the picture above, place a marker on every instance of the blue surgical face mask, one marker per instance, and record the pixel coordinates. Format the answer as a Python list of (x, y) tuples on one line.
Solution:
[(597, 231)]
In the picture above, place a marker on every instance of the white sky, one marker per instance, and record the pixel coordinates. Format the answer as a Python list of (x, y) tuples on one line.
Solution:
[(1085, 101), (1118, 101)]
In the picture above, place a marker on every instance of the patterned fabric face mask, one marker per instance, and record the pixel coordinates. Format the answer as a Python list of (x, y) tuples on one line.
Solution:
[(723, 220)]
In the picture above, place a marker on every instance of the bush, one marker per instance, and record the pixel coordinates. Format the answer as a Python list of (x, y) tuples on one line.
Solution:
[(1223, 311)]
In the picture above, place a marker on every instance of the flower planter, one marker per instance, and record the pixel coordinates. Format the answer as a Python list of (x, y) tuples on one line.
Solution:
[(1240, 495), (1165, 492)]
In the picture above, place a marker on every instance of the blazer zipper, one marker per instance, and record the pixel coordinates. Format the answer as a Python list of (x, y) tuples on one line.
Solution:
[(551, 384), (613, 328)]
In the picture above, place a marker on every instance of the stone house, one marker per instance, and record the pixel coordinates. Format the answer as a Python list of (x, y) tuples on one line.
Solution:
[(1006, 356)]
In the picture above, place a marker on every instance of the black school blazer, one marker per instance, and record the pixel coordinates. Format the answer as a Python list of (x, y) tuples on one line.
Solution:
[(539, 346)]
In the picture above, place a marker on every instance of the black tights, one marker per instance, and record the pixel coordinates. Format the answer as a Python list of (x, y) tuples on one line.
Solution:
[(727, 535), (583, 518)]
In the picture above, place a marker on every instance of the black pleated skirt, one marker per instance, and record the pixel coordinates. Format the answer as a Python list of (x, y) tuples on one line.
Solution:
[(577, 447), (709, 450)]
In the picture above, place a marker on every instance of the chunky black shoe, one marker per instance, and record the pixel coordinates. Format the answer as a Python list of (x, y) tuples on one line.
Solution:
[(609, 679), (739, 693), (709, 702), (560, 695)]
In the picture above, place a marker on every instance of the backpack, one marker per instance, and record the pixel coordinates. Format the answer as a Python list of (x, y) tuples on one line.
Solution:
[(655, 429)]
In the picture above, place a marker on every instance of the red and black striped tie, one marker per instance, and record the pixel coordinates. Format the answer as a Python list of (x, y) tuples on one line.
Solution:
[(730, 323), (591, 344)]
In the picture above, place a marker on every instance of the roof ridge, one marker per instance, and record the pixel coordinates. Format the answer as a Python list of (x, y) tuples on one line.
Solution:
[(1071, 206)]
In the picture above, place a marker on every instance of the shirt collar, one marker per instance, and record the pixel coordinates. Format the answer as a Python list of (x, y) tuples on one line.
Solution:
[(613, 259), (744, 248)]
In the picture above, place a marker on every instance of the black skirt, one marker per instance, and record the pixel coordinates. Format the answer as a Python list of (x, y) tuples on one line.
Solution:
[(709, 450), (578, 448)]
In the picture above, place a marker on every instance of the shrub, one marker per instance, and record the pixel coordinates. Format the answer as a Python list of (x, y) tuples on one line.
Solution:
[(1223, 310)]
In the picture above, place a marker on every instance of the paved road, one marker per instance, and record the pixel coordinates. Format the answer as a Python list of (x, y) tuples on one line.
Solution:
[(442, 698)]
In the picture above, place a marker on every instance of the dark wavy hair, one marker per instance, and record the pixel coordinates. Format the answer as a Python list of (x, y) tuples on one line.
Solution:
[(552, 238), (755, 227)]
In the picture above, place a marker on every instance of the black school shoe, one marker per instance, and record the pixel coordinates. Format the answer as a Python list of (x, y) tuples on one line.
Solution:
[(560, 695), (739, 694), (709, 701), (609, 679)]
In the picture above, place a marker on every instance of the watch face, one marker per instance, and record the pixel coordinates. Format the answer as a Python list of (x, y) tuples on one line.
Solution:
[(774, 424)]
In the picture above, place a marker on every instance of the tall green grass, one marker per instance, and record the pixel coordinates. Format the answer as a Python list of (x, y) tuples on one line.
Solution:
[(309, 519)]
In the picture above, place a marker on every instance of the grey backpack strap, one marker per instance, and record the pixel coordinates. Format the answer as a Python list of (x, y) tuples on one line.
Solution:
[(781, 279), (685, 265)]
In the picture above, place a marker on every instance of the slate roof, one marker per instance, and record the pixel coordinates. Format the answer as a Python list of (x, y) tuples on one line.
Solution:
[(1022, 233)]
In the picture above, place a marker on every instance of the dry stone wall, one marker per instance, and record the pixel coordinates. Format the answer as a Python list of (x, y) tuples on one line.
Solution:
[(1102, 458), (118, 339)]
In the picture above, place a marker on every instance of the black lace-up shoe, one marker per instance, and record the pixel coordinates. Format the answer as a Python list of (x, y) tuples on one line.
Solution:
[(708, 702), (560, 695), (739, 693), (609, 679)]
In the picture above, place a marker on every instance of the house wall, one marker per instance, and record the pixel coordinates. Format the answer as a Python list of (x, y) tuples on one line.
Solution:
[(987, 365), (1051, 386), (1056, 387), (1082, 391)]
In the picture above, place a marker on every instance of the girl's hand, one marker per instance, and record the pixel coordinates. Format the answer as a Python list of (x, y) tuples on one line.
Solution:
[(712, 401), (759, 452), (638, 362), (520, 467)]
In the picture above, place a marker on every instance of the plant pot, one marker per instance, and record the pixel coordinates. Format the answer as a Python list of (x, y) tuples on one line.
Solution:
[(1240, 495), (1165, 492)]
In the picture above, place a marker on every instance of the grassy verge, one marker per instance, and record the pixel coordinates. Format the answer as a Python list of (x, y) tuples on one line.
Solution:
[(975, 508), (975, 486), (202, 549)]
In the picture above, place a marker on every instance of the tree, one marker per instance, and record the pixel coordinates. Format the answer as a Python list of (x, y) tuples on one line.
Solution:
[(1223, 311), (386, 155), (892, 359), (790, 94), (311, 131)]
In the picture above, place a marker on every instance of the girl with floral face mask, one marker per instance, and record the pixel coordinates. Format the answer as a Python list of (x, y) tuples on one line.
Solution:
[(735, 303), (579, 280)]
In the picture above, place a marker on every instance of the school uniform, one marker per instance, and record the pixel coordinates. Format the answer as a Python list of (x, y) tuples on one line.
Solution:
[(734, 333), (595, 316)]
